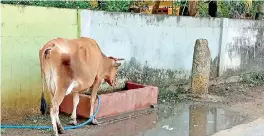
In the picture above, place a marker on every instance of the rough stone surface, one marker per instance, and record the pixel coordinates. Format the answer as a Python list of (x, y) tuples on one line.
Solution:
[(200, 68)]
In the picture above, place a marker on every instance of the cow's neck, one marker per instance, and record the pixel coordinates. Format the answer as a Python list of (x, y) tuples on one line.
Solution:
[(107, 65)]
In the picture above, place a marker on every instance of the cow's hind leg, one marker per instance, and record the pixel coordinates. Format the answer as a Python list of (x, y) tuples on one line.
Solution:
[(75, 104), (92, 100), (75, 85), (54, 111)]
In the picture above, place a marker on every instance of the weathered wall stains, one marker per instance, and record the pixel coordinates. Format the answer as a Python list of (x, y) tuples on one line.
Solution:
[(163, 78), (244, 50), (161, 42), (170, 82), (167, 42), (214, 67)]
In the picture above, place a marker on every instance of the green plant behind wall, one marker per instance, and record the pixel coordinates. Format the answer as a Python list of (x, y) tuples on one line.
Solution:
[(115, 6), (225, 8), (111, 6), (57, 4)]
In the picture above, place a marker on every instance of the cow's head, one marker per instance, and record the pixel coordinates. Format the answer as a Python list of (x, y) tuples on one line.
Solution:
[(111, 78)]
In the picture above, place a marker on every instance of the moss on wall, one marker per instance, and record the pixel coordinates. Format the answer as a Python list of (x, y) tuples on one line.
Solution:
[(165, 79)]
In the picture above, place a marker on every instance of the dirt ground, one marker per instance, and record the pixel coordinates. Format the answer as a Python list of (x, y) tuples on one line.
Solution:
[(244, 99)]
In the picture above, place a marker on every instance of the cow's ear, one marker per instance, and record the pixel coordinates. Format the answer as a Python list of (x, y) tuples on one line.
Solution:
[(117, 65), (110, 57)]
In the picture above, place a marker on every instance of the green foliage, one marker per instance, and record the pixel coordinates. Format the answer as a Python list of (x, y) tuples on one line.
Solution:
[(203, 9), (115, 6), (255, 78), (225, 8), (112, 6), (57, 4)]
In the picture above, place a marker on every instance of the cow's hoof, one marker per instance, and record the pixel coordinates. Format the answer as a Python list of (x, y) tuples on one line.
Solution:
[(55, 134), (61, 130), (73, 122), (94, 122)]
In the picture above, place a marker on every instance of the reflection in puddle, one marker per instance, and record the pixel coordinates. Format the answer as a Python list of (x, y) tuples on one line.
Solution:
[(179, 120), (193, 120), (197, 121)]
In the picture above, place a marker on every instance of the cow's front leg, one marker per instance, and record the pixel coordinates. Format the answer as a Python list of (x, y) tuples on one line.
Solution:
[(92, 100), (75, 104)]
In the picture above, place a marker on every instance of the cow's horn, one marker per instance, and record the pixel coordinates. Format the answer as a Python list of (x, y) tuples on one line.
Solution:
[(120, 59)]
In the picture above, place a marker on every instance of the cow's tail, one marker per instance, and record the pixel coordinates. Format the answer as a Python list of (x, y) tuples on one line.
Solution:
[(43, 104)]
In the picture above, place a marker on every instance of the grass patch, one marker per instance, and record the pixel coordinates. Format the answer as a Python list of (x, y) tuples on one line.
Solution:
[(3, 131), (255, 78), (104, 88), (171, 96)]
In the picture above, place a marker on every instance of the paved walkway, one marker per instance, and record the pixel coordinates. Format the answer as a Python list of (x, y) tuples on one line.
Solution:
[(255, 128)]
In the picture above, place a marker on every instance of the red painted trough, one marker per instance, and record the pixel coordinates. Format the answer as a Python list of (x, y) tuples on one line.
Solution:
[(135, 97)]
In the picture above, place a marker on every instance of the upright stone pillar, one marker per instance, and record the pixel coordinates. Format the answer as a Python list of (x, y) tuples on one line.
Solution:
[(200, 68)]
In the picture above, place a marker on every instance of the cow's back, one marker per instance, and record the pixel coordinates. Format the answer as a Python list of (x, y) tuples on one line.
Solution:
[(75, 59), (89, 55), (85, 58)]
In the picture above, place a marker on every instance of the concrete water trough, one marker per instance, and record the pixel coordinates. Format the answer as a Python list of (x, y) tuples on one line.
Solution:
[(133, 97)]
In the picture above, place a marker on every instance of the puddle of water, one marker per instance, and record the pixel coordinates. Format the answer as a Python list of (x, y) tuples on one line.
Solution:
[(178, 120), (192, 120)]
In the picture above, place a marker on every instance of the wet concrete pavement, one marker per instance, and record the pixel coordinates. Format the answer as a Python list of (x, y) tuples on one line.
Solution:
[(177, 120), (254, 128)]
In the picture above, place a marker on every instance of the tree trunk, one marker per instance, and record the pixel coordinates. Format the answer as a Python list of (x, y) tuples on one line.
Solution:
[(212, 8), (185, 12), (192, 7), (155, 7)]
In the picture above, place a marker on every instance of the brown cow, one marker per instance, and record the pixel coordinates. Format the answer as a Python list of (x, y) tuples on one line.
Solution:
[(73, 66)]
